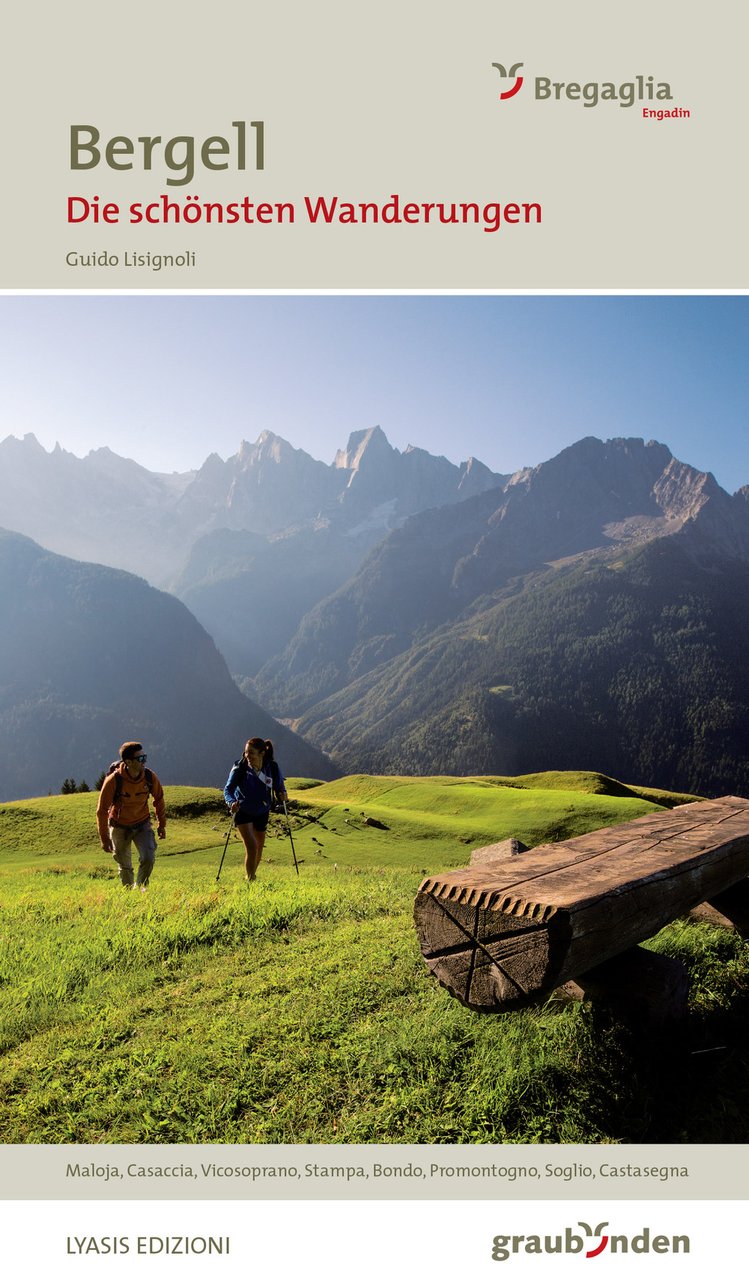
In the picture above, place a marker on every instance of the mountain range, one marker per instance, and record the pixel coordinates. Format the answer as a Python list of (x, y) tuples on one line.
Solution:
[(269, 524), (109, 507), (594, 499), (408, 615), (92, 656), (590, 613)]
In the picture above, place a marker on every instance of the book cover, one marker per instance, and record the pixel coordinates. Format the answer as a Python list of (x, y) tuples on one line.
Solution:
[(404, 347)]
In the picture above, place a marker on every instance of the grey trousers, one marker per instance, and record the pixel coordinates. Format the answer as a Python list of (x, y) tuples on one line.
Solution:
[(144, 840)]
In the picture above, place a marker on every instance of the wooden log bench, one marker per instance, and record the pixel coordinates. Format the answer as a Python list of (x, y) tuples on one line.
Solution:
[(517, 924)]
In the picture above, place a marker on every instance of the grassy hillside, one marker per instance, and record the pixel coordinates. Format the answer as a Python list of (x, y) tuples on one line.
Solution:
[(299, 1009)]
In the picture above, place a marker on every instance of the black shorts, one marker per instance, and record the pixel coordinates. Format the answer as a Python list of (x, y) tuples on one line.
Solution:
[(258, 820)]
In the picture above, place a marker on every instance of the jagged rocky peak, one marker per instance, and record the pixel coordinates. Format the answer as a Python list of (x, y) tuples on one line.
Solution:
[(105, 462), (619, 451), (624, 470), (682, 491), (25, 456), (476, 477), (273, 449), (416, 451), (419, 460), (26, 446), (364, 447), (627, 491), (268, 446), (246, 452), (213, 464), (269, 442), (592, 494), (649, 456), (28, 441)]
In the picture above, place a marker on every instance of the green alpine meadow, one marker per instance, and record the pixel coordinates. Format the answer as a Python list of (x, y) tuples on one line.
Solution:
[(298, 1009)]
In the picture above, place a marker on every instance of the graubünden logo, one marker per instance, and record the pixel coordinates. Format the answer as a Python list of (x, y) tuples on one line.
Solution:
[(591, 93), (594, 1242)]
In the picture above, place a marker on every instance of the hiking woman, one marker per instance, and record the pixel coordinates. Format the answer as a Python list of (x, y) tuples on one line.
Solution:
[(249, 792)]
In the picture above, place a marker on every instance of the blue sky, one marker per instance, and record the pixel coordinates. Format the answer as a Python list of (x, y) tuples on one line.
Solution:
[(511, 380)]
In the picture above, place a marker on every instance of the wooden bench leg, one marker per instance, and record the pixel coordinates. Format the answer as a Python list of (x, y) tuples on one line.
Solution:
[(639, 985), (727, 910)]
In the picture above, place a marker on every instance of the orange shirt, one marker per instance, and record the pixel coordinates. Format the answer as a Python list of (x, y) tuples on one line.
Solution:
[(132, 806)]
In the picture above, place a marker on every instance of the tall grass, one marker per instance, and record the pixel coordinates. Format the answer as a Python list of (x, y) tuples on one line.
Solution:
[(298, 1009)]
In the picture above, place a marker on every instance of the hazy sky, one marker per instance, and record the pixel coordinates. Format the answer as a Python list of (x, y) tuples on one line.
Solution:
[(512, 380)]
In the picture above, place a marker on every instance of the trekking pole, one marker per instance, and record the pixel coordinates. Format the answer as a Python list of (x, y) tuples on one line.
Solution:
[(291, 838), (226, 846)]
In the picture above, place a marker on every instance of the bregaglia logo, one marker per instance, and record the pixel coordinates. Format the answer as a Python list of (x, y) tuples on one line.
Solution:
[(588, 1242), (590, 93), (517, 86)]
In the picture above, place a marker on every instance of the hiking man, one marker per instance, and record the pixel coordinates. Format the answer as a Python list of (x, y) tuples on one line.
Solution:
[(123, 816), (249, 792)]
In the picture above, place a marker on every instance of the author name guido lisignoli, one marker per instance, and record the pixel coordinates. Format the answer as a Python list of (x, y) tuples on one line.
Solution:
[(147, 261)]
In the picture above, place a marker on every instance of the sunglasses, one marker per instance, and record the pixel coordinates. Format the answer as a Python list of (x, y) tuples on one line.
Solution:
[(140, 759)]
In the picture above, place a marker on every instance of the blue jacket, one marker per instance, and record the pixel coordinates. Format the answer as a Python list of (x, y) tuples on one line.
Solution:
[(254, 791)]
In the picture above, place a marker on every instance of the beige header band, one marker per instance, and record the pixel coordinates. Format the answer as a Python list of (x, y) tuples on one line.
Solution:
[(425, 146)]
